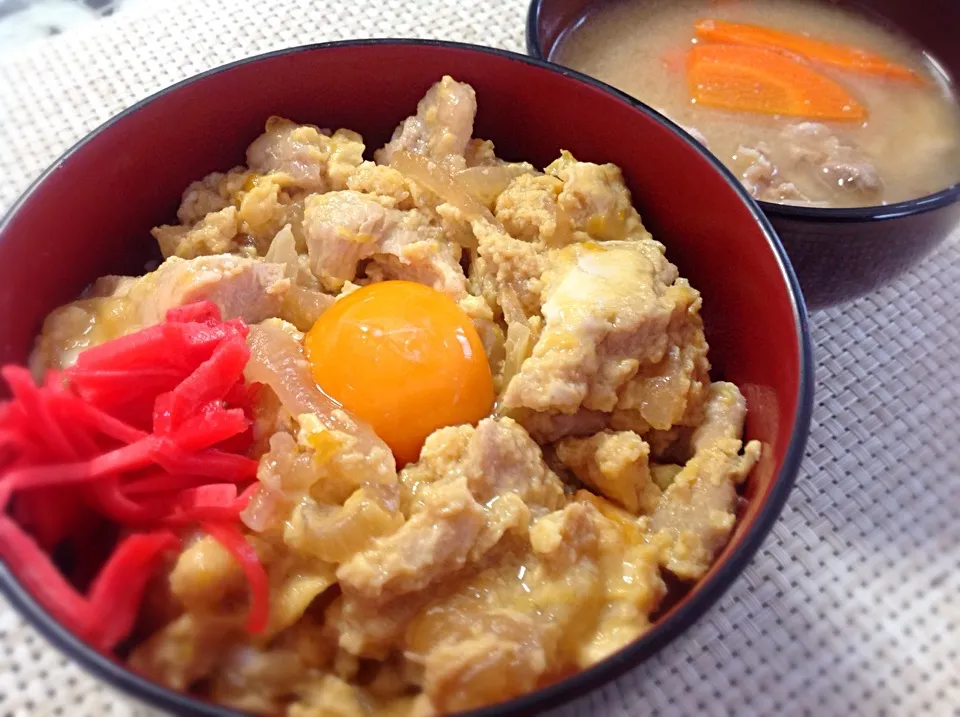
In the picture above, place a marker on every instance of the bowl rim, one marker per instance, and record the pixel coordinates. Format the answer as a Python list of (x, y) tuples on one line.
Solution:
[(828, 215), (116, 674)]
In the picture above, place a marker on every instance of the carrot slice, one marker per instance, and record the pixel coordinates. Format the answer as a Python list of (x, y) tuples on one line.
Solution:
[(755, 79), (845, 57)]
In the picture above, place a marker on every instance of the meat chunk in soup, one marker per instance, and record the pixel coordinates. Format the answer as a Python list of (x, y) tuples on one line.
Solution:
[(811, 145)]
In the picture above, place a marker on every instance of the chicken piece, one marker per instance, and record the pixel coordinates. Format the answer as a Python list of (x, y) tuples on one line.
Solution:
[(481, 670), (567, 584), (385, 184), (528, 209), (336, 533), (330, 491), (670, 392), (481, 640), (616, 465), (244, 213), (187, 650), (303, 157), (724, 413), (501, 458), (372, 628), (507, 273), (596, 200), (606, 311), (551, 427), (632, 585), (431, 262), (344, 228), (497, 458), (470, 491), (435, 541), (247, 288), (697, 512), (762, 178), (213, 193), (215, 233), (837, 163), (442, 127), (257, 681)]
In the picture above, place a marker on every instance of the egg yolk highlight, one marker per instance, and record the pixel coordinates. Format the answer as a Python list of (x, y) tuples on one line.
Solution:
[(405, 358)]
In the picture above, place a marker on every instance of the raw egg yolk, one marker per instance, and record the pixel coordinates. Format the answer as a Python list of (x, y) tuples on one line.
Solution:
[(405, 358)]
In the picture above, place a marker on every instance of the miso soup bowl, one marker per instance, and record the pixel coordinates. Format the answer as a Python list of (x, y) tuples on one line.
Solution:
[(838, 254), (90, 214)]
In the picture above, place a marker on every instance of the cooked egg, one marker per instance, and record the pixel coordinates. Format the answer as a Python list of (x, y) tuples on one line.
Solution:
[(405, 358)]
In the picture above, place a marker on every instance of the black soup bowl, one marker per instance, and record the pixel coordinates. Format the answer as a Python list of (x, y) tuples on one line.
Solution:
[(838, 254)]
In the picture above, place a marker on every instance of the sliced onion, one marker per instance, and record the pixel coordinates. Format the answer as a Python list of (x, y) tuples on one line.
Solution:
[(283, 250), (302, 307), (487, 183), (518, 346), (438, 180)]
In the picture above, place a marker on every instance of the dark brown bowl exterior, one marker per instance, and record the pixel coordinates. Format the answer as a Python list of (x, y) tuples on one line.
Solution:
[(838, 259), (91, 213), (838, 254)]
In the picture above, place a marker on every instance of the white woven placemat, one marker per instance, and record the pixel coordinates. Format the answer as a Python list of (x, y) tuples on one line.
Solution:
[(852, 607)]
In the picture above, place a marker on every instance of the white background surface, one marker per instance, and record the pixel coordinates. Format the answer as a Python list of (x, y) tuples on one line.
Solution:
[(852, 606)]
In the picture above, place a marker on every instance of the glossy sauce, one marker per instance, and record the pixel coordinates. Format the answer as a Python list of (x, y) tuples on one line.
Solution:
[(911, 136)]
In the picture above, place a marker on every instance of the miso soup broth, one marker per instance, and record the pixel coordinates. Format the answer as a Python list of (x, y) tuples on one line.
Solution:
[(904, 144)]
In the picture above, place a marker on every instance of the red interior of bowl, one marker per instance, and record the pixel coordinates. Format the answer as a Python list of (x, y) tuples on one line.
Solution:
[(93, 213)]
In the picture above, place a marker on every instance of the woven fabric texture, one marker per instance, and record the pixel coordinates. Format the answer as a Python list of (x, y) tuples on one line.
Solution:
[(852, 606)]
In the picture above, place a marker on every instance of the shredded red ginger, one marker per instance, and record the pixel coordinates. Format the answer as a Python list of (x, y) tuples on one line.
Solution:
[(145, 436)]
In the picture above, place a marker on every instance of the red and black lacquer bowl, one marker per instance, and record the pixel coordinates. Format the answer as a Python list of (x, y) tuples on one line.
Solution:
[(838, 254), (91, 213)]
